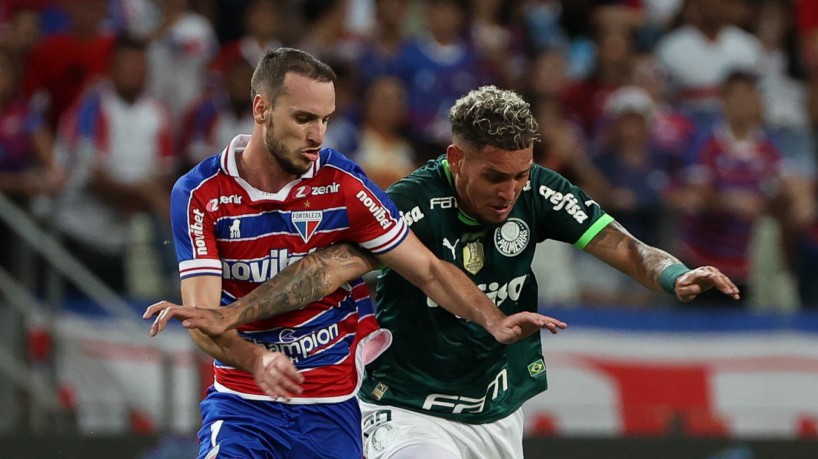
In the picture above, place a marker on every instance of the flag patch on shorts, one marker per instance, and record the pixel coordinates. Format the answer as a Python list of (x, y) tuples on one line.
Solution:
[(536, 368)]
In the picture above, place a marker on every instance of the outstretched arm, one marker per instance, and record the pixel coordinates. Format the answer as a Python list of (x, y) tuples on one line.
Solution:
[(300, 284), (648, 265), (459, 295), (325, 270)]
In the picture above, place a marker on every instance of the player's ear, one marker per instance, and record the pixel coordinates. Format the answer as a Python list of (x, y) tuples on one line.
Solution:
[(455, 157), (260, 104)]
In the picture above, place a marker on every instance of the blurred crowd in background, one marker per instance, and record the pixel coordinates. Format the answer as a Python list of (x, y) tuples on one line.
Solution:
[(691, 121)]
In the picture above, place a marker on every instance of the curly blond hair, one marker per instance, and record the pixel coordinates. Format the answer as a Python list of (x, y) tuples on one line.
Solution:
[(496, 117)]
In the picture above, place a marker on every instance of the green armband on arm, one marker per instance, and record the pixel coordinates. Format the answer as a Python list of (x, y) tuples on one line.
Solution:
[(668, 278)]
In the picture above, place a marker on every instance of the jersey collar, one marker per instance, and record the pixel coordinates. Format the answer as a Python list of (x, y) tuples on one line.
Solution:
[(228, 165), (462, 216)]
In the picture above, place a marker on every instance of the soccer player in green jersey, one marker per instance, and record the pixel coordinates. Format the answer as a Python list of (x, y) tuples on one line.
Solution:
[(445, 388)]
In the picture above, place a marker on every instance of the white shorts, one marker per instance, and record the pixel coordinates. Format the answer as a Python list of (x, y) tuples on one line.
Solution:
[(387, 429)]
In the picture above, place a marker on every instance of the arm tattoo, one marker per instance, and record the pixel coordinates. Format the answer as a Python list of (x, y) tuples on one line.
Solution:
[(303, 282), (644, 262)]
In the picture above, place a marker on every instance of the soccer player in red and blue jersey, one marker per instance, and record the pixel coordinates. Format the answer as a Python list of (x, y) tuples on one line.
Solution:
[(284, 386)]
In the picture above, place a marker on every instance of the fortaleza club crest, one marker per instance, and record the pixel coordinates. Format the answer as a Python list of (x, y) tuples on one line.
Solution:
[(306, 222), (512, 237)]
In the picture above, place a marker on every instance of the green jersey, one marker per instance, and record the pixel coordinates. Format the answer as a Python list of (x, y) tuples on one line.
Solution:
[(440, 364)]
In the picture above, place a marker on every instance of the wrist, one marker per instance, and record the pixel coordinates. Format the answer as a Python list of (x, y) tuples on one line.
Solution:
[(670, 275), (493, 319), (230, 316)]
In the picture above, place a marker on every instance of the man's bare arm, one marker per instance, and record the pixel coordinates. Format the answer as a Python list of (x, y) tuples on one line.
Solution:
[(307, 281), (300, 284), (617, 247)]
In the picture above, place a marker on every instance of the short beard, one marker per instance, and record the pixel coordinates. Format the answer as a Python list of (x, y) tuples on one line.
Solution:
[(279, 154)]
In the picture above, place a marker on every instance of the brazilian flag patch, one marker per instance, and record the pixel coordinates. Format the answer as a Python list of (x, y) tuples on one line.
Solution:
[(536, 368)]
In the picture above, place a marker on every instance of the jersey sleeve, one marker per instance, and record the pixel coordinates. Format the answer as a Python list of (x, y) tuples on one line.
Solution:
[(412, 202), (375, 222), (564, 212), (193, 232)]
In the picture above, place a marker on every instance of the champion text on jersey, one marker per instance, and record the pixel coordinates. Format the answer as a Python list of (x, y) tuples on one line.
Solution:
[(306, 222), (300, 347)]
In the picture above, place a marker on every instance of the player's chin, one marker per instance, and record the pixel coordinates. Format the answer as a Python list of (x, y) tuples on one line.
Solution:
[(494, 219)]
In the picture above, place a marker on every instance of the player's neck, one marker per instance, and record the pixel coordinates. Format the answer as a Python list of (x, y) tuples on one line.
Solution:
[(261, 170)]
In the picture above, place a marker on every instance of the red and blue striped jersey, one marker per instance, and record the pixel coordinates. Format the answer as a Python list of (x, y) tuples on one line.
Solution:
[(225, 227), (721, 237)]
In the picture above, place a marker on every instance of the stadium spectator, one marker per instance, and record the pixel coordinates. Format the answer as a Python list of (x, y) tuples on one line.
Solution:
[(326, 35), (701, 53), (671, 131), (379, 50), (180, 49), (563, 145), (637, 176), (116, 145), (541, 19), (583, 100), (734, 177), (60, 67), (437, 67), (786, 102), (262, 23), (27, 166), (343, 133), (20, 30), (499, 41), (384, 152), (212, 122), (784, 91)]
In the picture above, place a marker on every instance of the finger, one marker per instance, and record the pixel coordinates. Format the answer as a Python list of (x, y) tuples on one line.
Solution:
[(155, 308), (556, 322), (292, 373), (290, 386), (157, 326), (688, 293), (279, 384), (726, 286), (276, 392), (164, 317)]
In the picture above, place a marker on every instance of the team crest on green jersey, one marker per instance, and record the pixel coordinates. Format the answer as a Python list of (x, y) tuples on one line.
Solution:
[(512, 237), (473, 257), (536, 368)]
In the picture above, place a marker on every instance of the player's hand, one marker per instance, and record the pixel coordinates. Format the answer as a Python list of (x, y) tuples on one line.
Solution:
[(518, 326), (211, 322), (276, 375), (692, 283)]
